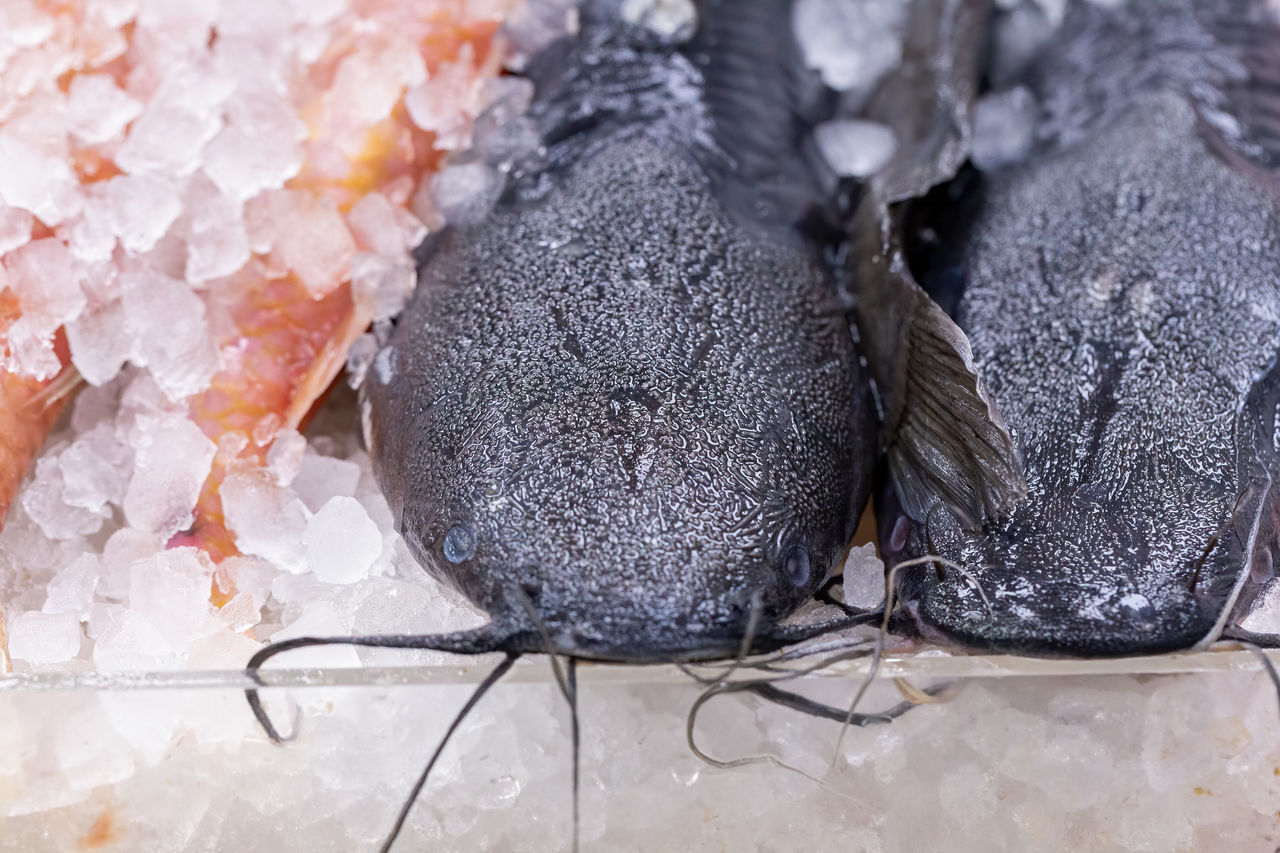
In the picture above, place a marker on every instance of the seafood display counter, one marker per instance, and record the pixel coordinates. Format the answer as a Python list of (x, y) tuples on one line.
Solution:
[(1178, 752)]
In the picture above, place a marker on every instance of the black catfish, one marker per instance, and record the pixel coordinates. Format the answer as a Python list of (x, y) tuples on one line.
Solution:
[(1121, 291), (624, 414)]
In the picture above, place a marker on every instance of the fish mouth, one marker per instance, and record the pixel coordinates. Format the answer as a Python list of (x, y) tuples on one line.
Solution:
[(1048, 609)]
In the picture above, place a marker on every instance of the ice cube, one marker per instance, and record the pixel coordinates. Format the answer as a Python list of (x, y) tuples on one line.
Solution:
[(87, 753), (850, 44), (99, 346), (342, 541), (251, 576), (374, 224), (166, 322), (140, 208), (853, 148), (321, 478), (43, 499), (173, 460), (674, 20), (260, 149), (863, 578), (319, 619), (267, 519), (167, 139), (1004, 126), (125, 547), (464, 194), (533, 25), (90, 235), (37, 182), (15, 228), (71, 589), (385, 284), (171, 590), (41, 638), (360, 358), (285, 455), (368, 83), (95, 470), (98, 109), (240, 613), (305, 234), (442, 105), (217, 244), (47, 281)]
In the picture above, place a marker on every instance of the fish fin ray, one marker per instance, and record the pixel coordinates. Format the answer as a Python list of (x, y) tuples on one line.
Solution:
[(1240, 108), (950, 442)]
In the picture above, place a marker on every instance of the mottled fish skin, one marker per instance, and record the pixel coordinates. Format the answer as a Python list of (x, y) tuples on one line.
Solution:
[(631, 393), (1121, 290)]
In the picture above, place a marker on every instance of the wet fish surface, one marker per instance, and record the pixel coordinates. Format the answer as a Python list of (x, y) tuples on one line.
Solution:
[(1120, 288), (625, 409)]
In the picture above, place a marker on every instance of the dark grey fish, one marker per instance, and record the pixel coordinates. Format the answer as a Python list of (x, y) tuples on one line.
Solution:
[(1121, 292), (625, 409)]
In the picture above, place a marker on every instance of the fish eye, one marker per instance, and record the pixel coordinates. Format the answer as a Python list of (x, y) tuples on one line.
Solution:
[(459, 543), (796, 565)]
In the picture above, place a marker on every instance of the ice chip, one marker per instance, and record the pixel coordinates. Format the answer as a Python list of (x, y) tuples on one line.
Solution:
[(37, 182), (15, 228), (95, 470), (47, 280), (319, 619), (854, 149), (259, 150), (267, 519), (1004, 126), (217, 244), (359, 358), (173, 460), (140, 208), (383, 283), (251, 576), (40, 638), (166, 322), (45, 503), (240, 613), (850, 44), (167, 139), (321, 478), (98, 109), (305, 234), (71, 589), (674, 20), (863, 578), (99, 346), (464, 194), (342, 541), (285, 455), (443, 103), (374, 224), (171, 590)]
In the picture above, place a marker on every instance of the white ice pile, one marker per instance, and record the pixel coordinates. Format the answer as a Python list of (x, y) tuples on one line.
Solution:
[(1095, 765)]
